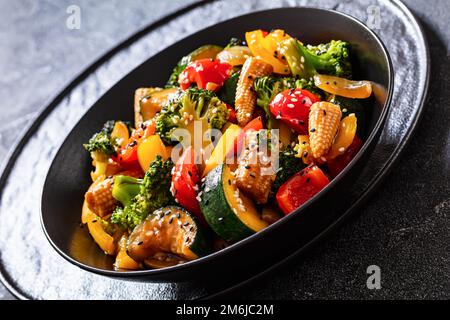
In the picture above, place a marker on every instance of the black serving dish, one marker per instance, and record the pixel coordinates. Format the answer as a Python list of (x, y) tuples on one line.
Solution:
[(68, 177)]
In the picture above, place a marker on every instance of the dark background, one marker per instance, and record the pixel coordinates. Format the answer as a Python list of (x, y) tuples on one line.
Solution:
[(404, 228)]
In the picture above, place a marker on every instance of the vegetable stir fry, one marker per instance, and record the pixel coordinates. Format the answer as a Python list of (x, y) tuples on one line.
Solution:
[(240, 136)]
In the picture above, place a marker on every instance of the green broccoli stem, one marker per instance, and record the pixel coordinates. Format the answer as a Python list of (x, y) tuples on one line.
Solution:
[(140, 197), (126, 188)]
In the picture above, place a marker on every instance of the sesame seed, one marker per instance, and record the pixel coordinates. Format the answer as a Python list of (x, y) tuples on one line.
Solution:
[(341, 149)]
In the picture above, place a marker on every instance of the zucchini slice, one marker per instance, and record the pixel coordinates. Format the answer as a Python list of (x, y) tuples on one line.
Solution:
[(170, 230), (208, 51), (229, 213), (149, 101)]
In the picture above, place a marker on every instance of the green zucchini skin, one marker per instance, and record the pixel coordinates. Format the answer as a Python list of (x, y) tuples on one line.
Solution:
[(208, 51), (179, 225), (200, 246), (218, 213)]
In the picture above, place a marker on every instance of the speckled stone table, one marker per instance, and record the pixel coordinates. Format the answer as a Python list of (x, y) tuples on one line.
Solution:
[(404, 228)]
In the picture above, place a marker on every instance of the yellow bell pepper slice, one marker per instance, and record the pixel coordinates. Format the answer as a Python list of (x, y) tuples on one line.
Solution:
[(148, 149), (85, 213), (123, 260), (344, 138), (121, 133), (259, 45), (103, 239), (285, 133), (223, 147), (343, 87), (272, 42)]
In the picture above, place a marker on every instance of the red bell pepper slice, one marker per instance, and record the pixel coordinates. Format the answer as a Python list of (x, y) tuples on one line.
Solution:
[(127, 157), (292, 107), (185, 180), (232, 114), (206, 73), (301, 187), (336, 165)]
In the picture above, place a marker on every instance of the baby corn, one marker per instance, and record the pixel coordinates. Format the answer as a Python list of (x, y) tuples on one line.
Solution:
[(245, 95), (324, 118), (99, 197), (253, 175)]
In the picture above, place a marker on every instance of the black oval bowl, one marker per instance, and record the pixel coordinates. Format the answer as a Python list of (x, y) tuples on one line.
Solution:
[(68, 177)]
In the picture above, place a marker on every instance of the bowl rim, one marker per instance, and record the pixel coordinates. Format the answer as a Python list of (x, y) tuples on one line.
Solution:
[(133, 274)]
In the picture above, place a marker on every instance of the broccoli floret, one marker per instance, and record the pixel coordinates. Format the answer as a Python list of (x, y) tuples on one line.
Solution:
[(234, 42), (155, 186), (154, 193), (166, 123), (331, 58), (268, 87), (192, 105), (101, 143), (311, 87), (289, 165), (177, 70)]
